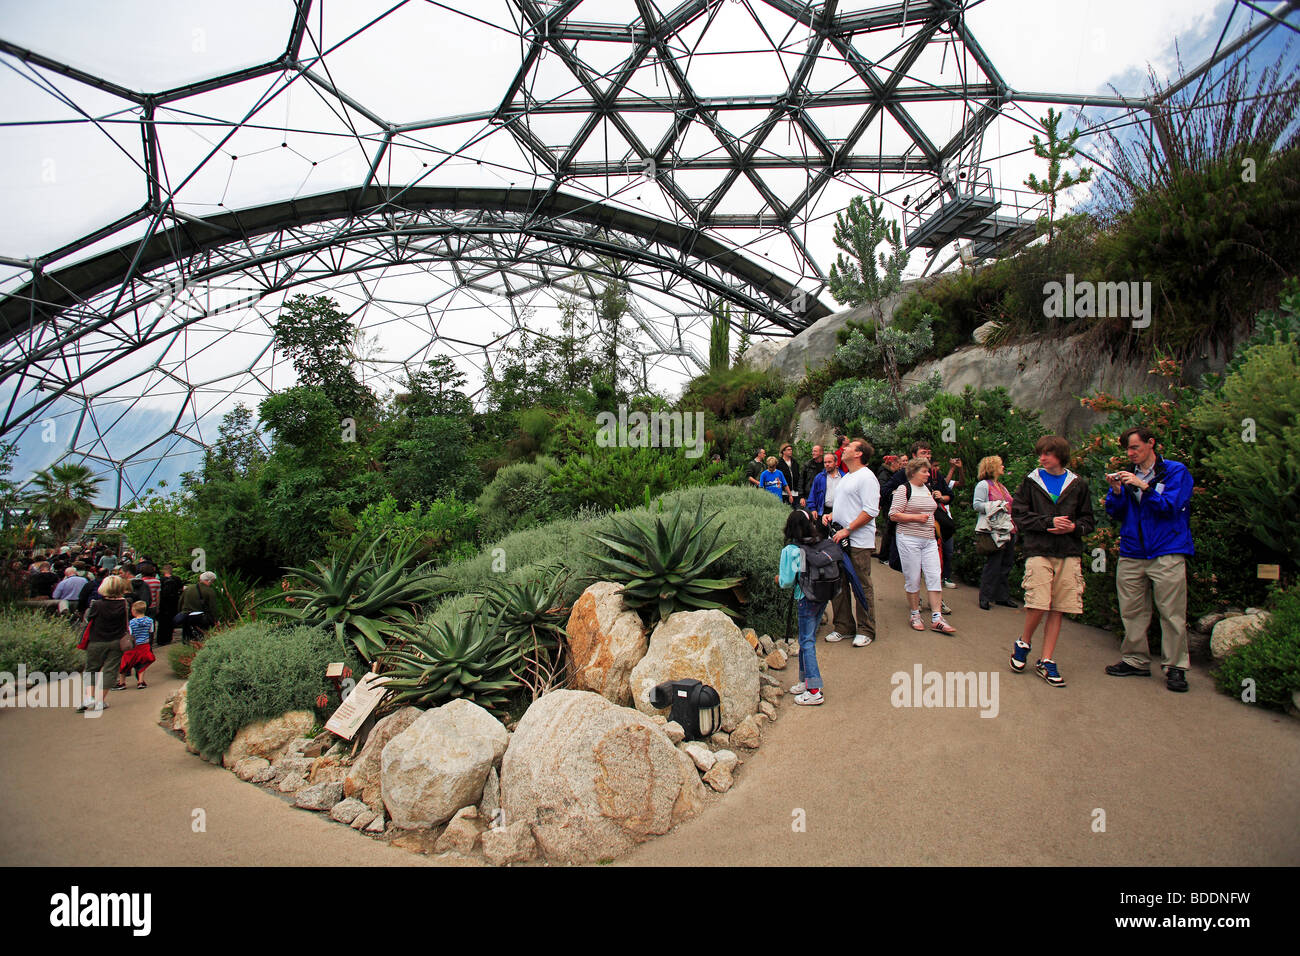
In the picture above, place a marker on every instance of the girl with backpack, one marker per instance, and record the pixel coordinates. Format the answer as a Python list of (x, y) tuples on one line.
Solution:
[(803, 535)]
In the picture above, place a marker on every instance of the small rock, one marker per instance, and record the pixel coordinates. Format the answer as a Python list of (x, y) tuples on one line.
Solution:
[(700, 754), (676, 733), (337, 750), (718, 778), (363, 819), (292, 782), (345, 811), (463, 832), (720, 740), (509, 844), (727, 759), (319, 796), (1233, 632), (268, 775), (776, 660), (376, 825), (767, 680), (327, 769), (659, 719), (319, 744), (300, 765), (770, 694), (490, 802), (762, 668), (748, 733), (767, 709), (766, 645), (246, 768), (297, 746), (749, 635)]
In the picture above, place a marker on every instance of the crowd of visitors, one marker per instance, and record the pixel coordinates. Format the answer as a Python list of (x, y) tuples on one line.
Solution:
[(902, 514), (122, 605)]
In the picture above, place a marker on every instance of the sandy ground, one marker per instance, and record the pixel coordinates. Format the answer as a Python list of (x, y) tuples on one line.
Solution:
[(1183, 779)]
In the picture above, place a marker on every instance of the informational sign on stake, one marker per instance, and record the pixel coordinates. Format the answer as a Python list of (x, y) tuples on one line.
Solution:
[(1269, 572), (352, 713)]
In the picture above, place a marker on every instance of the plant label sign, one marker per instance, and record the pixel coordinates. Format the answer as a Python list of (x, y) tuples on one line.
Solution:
[(1269, 572), (334, 670), (352, 713)]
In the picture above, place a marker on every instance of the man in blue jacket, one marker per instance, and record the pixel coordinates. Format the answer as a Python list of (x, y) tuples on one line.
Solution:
[(1151, 504)]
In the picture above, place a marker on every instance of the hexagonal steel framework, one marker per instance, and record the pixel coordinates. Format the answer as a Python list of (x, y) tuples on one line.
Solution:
[(606, 152)]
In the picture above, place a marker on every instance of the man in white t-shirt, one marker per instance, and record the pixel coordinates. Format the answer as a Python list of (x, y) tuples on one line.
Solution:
[(857, 502)]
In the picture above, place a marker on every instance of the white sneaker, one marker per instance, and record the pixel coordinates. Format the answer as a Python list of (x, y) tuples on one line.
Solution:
[(799, 688), (808, 699), (950, 583), (861, 640), (834, 636)]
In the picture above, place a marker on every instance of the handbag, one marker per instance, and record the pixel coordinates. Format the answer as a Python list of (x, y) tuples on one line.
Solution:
[(943, 520), (85, 638), (126, 641), (984, 543)]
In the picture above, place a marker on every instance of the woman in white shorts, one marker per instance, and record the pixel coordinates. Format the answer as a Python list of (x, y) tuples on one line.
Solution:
[(912, 510)]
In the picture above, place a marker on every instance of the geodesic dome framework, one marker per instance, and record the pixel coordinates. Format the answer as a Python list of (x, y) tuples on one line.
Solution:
[(447, 172)]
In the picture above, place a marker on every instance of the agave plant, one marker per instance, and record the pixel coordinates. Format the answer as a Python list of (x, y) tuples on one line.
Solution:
[(469, 657), (662, 566), (532, 614), (367, 597)]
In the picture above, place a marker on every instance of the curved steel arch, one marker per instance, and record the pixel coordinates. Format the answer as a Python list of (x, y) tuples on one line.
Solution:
[(755, 288)]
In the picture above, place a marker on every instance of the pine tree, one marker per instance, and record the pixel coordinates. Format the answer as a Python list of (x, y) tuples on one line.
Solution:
[(1055, 150)]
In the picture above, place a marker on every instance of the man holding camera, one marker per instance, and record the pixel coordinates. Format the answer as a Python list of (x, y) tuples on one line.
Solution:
[(1151, 502)]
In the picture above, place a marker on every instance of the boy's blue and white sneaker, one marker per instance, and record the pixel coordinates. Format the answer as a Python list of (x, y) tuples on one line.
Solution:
[(1019, 656), (1048, 672), (834, 636), (809, 698), (798, 688)]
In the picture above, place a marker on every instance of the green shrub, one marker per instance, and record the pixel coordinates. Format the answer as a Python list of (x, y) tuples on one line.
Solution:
[(38, 641), (256, 672), (1252, 427), (731, 393), (439, 530), (620, 478), (181, 659), (755, 560), (1271, 659), (518, 497)]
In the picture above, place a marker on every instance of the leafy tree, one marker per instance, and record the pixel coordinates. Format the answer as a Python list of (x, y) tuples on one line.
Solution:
[(438, 389), (1054, 150), (238, 451), (63, 495), (303, 416), (318, 339), (431, 460), (161, 527)]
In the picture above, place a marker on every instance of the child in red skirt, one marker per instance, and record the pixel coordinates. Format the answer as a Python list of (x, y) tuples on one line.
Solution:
[(139, 657)]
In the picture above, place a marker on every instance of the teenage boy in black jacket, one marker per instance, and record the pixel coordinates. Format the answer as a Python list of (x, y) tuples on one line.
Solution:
[(1052, 511)]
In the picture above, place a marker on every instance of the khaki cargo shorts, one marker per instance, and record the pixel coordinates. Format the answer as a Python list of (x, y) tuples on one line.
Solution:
[(1054, 584)]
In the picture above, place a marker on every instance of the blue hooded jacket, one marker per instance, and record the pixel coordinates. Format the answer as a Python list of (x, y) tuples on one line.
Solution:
[(1159, 523)]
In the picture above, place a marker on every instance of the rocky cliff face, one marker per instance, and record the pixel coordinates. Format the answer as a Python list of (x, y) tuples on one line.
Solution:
[(1047, 375)]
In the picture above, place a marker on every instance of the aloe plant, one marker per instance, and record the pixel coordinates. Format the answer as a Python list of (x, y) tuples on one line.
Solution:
[(662, 566), (532, 614), (470, 657), (368, 598)]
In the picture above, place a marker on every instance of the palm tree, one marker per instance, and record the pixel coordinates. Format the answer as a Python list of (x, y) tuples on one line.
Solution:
[(62, 495)]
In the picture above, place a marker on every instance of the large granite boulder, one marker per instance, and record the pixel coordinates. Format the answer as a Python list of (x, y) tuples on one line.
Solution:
[(705, 645), (439, 764), (363, 778), (1234, 631), (593, 779), (606, 641)]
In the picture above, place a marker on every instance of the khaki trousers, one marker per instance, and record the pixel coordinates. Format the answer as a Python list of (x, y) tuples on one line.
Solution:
[(842, 603), (1137, 582)]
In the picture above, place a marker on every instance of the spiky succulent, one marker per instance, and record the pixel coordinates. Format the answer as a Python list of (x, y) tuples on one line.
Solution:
[(469, 657), (366, 596), (532, 614), (662, 566)]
